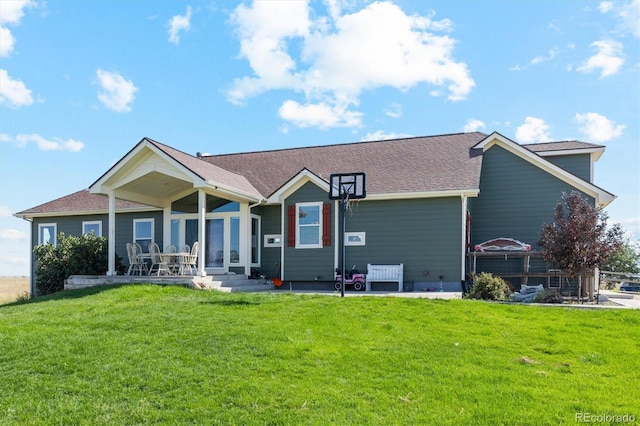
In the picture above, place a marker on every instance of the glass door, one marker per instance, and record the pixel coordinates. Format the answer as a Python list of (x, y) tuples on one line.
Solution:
[(215, 243)]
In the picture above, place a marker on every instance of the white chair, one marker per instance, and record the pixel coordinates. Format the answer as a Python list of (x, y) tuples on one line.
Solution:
[(136, 261), (190, 262), (157, 261), (173, 260)]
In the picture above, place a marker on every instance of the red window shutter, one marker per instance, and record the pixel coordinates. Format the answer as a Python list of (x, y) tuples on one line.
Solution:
[(326, 224), (291, 226)]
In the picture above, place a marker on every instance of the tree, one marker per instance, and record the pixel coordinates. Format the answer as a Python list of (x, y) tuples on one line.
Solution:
[(578, 241), (85, 255), (625, 259)]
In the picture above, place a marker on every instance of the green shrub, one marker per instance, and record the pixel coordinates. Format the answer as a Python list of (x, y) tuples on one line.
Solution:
[(85, 255), (489, 287)]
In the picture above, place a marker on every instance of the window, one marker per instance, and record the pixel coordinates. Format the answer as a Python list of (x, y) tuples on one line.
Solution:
[(255, 240), (309, 225), (143, 233), (355, 238), (94, 226), (234, 239), (47, 233)]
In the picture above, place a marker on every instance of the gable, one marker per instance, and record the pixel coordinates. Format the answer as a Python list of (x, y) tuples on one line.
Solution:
[(602, 198)]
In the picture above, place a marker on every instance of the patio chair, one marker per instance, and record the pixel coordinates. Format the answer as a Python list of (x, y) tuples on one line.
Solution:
[(173, 260), (136, 261), (190, 262), (158, 263)]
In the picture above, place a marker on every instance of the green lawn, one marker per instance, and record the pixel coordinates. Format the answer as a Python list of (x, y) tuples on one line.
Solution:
[(169, 355)]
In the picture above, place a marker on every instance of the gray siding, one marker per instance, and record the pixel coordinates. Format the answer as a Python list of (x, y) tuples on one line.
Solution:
[(269, 256), (516, 198), (423, 234), (72, 225), (579, 164), (308, 264)]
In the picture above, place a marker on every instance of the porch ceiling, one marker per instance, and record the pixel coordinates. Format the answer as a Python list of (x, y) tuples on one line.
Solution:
[(155, 185)]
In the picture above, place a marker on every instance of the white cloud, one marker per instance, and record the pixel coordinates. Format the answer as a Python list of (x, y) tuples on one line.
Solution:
[(474, 125), (12, 235), (533, 130), (13, 93), (605, 6), (116, 93), (55, 144), (321, 115), (394, 110), (179, 23), (382, 135), (608, 59), (597, 128), (341, 55), (552, 54), (5, 211), (11, 13), (627, 14)]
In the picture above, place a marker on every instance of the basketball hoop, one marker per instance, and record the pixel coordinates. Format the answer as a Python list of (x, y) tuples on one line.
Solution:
[(346, 187)]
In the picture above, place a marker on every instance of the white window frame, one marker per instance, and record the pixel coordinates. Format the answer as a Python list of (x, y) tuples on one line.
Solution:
[(48, 225), (92, 222), (360, 238), (135, 221), (299, 245)]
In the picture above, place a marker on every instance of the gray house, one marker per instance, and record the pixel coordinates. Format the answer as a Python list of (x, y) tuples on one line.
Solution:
[(429, 201)]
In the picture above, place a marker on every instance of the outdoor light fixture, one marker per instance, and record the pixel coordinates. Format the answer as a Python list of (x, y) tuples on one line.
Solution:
[(345, 187)]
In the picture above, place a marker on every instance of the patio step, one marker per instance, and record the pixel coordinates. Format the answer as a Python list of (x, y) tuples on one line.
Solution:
[(237, 283)]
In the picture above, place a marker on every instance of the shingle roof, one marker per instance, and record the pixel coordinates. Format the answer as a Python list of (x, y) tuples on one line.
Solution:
[(420, 164), (560, 146), (80, 201), (208, 171)]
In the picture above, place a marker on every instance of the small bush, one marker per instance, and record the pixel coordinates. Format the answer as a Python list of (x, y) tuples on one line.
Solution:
[(85, 255), (489, 287)]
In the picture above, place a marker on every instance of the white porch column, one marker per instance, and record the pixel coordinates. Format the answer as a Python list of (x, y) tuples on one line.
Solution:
[(112, 234), (202, 222)]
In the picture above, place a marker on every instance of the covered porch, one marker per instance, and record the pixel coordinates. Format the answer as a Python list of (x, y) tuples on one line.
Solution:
[(200, 202)]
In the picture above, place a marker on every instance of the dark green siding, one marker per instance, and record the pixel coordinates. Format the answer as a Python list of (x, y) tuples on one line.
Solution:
[(579, 164), (72, 225), (270, 223), (308, 264), (516, 198), (423, 234)]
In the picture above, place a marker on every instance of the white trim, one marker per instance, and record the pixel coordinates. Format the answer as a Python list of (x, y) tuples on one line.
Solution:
[(602, 197), (361, 239), (416, 195), (597, 151), (87, 212), (296, 183), (299, 245), (144, 219), (92, 222), (54, 236), (272, 240)]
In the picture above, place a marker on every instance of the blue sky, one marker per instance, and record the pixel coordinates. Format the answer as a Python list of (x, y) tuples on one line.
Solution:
[(81, 82)]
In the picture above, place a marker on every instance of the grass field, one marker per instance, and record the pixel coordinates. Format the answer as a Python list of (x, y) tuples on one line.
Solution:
[(168, 355), (11, 288)]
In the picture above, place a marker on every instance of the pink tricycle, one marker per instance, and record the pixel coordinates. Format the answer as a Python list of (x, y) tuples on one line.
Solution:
[(353, 277)]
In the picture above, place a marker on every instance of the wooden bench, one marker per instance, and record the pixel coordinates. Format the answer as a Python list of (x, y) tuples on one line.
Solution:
[(384, 273)]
